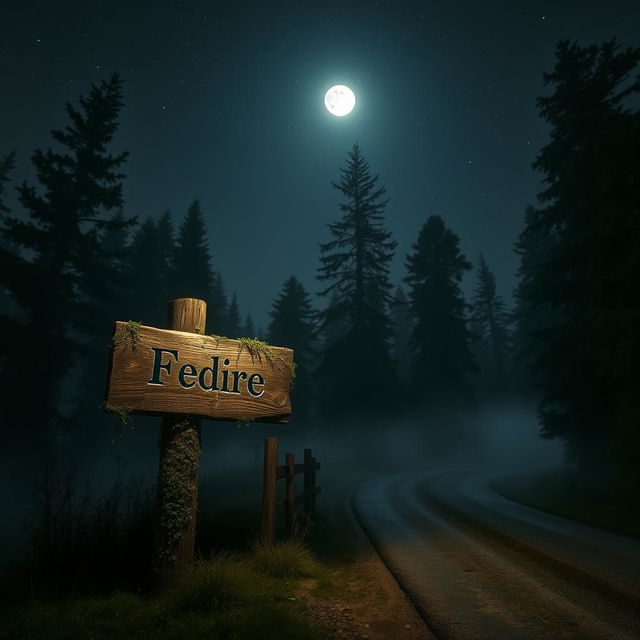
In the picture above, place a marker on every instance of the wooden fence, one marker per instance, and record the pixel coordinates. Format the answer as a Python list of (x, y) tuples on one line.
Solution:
[(271, 508)]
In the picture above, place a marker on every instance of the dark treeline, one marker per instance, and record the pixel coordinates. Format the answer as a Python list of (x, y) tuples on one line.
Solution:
[(74, 261)]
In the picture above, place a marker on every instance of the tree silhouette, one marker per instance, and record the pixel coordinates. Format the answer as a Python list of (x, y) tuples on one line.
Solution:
[(167, 241), (356, 264), (401, 324), (147, 292), (441, 361), (218, 307), (533, 315), (79, 185), (293, 325), (234, 328), (335, 330), (7, 164), (192, 259), (490, 323), (109, 274), (193, 274), (588, 360), (248, 328)]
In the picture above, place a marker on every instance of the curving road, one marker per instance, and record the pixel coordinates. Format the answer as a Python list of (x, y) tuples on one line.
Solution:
[(480, 567)]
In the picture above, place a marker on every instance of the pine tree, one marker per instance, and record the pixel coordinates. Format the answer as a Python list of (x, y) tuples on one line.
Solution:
[(233, 319), (338, 328), (588, 361), (167, 241), (147, 295), (9, 324), (441, 361), (218, 307), (7, 250), (490, 323), (401, 323), (533, 315), (293, 325), (248, 328), (356, 264), (7, 164), (109, 274), (192, 258), (79, 186)]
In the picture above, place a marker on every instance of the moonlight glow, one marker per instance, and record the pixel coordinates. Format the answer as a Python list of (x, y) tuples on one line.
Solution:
[(339, 100)]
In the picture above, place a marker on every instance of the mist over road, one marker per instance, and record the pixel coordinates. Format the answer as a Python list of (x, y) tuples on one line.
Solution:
[(478, 566)]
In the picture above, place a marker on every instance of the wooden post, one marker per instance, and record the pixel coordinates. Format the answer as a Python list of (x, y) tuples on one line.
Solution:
[(291, 496), (307, 482), (269, 481), (179, 467)]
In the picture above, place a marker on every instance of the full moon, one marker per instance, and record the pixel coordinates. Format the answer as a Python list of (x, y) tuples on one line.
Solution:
[(339, 100)]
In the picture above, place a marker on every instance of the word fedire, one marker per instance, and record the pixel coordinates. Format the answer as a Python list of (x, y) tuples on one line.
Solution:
[(208, 378)]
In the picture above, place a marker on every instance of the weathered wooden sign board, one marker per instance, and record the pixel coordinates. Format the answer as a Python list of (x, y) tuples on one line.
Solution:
[(158, 371)]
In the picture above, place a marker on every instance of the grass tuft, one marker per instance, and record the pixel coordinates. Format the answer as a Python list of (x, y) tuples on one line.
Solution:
[(224, 581), (289, 558)]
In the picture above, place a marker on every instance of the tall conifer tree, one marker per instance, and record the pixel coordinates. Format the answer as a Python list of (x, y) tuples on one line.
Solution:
[(355, 263), (588, 360), (7, 165), (293, 325), (533, 315), (146, 279), (401, 322), (441, 362), (248, 328), (218, 316), (234, 328), (167, 241), (192, 257), (490, 324), (80, 185)]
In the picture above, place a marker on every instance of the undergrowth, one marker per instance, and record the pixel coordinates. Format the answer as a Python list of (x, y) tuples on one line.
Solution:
[(228, 596)]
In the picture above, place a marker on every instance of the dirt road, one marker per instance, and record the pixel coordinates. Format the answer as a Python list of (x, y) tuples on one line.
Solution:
[(478, 566)]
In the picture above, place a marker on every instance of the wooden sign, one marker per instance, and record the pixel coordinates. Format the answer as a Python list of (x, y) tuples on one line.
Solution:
[(158, 371)]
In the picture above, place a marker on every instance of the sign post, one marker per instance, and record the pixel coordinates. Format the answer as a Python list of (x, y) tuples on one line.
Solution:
[(184, 375)]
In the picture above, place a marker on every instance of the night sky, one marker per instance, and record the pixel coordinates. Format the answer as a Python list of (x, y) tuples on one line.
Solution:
[(224, 102)]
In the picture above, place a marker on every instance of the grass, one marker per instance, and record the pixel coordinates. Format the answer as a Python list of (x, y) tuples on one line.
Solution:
[(562, 494), (228, 596), (288, 559)]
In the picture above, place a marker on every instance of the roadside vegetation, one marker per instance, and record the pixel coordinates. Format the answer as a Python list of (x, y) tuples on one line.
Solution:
[(89, 572), (239, 596), (566, 495)]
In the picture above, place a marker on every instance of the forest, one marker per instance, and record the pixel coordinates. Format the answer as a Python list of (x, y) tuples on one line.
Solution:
[(369, 351)]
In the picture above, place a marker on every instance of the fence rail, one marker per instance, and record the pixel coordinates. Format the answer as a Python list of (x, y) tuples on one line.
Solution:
[(271, 509)]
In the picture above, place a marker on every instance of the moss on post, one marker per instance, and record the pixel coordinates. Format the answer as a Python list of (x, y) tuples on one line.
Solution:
[(177, 493), (179, 469)]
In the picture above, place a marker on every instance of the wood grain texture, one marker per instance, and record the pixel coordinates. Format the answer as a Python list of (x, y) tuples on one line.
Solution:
[(131, 370)]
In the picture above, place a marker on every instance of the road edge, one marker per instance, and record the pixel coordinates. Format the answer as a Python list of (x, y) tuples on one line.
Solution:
[(367, 541)]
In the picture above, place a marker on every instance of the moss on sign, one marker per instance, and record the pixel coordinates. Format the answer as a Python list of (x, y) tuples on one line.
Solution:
[(127, 335)]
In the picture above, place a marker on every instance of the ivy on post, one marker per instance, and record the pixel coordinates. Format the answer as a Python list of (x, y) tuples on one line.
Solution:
[(179, 470)]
